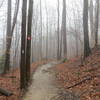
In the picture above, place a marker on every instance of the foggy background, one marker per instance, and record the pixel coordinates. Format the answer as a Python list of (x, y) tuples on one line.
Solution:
[(49, 10)]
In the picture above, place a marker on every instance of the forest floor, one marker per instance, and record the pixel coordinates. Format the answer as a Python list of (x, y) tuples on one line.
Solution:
[(84, 80), (11, 82), (67, 80)]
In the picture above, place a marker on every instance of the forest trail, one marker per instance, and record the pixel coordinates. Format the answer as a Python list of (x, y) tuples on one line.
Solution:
[(42, 87)]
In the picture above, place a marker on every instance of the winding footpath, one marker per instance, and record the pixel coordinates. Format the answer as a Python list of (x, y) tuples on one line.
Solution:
[(43, 86)]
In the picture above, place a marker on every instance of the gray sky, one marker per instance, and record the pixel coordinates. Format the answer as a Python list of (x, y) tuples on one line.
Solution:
[(51, 6)]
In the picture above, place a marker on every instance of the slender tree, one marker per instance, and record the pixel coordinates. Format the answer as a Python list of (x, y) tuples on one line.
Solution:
[(47, 33), (15, 16), (58, 33), (64, 28), (91, 12), (41, 30), (87, 50), (97, 22)]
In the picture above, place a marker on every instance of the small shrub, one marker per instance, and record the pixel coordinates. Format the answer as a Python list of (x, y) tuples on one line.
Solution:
[(64, 60)]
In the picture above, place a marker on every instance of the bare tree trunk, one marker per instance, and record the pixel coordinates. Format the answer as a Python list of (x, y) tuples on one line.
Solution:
[(15, 16), (97, 23), (47, 33), (40, 30), (17, 41), (87, 50), (64, 28), (76, 42), (91, 22), (28, 49), (23, 47), (58, 49), (10, 30), (8, 39)]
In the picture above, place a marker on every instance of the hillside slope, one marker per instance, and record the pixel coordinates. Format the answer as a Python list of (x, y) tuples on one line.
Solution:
[(83, 80)]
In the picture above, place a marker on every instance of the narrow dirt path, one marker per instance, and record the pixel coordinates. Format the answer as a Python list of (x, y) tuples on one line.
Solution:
[(43, 86)]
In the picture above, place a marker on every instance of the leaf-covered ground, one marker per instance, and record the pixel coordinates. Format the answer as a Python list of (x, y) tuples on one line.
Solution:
[(11, 82), (68, 74), (71, 72)]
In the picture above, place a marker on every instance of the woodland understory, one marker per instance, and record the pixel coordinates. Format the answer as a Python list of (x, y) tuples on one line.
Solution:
[(72, 76), (36, 34), (84, 80)]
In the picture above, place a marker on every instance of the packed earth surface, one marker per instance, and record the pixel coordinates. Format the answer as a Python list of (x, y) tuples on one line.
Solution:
[(44, 86)]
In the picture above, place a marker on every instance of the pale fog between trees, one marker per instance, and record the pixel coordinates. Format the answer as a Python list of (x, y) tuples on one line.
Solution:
[(47, 22)]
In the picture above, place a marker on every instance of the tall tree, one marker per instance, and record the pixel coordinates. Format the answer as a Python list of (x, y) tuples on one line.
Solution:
[(9, 35), (87, 50), (47, 32), (23, 46), (58, 40), (91, 12), (97, 22), (40, 30), (28, 49), (64, 28), (8, 38)]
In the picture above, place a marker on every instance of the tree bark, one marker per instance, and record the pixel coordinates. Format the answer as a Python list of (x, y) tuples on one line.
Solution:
[(28, 49), (58, 49), (87, 50), (23, 46), (64, 28), (91, 23), (41, 30), (97, 23), (8, 39), (9, 35), (47, 33)]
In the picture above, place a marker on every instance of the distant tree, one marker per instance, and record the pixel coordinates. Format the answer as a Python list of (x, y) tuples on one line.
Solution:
[(41, 30), (91, 14), (1, 3), (47, 28), (97, 22), (61, 40), (64, 28), (87, 50), (58, 33), (15, 16)]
